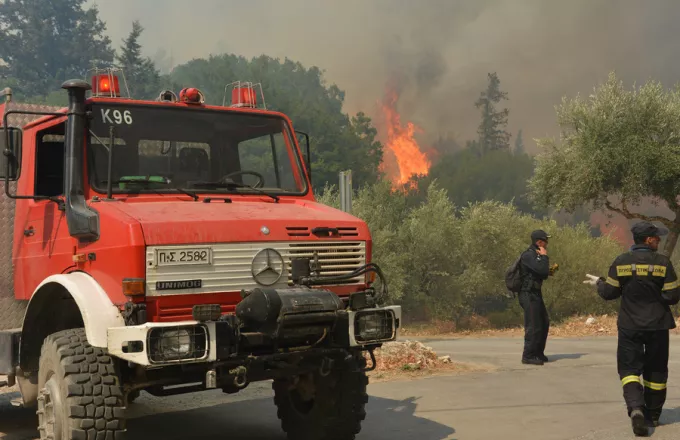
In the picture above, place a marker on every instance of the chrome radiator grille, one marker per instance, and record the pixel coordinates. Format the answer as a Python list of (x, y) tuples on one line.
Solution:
[(232, 265)]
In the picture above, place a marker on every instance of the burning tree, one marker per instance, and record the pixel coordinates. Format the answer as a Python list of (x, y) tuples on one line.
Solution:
[(401, 143), (618, 147)]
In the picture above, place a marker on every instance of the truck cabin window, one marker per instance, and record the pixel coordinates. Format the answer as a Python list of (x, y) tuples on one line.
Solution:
[(49, 161), (160, 149)]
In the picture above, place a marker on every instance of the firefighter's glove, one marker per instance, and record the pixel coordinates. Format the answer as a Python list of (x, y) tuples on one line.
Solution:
[(591, 279)]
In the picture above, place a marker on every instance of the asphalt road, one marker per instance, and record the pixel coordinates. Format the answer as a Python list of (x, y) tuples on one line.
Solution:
[(576, 396)]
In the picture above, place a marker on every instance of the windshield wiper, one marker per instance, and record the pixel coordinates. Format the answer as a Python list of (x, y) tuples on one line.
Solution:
[(147, 180), (191, 194), (232, 185)]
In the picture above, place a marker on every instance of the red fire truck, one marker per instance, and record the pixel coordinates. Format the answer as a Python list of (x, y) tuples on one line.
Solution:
[(173, 246)]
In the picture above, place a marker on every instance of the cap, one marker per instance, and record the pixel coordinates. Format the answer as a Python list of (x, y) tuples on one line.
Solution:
[(647, 229), (539, 235)]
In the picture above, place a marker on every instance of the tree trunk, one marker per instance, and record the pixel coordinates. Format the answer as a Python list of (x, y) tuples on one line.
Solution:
[(671, 240)]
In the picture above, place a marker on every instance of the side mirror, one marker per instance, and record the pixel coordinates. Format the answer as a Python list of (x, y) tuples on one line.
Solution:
[(307, 154), (10, 152)]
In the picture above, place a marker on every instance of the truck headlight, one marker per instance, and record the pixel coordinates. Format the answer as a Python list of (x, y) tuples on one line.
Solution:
[(374, 325), (172, 344), (175, 344)]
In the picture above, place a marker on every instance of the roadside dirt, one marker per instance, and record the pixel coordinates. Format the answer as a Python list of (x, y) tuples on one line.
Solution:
[(413, 359), (575, 327)]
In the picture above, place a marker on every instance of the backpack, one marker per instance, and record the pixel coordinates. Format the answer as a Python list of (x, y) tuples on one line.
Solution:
[(513, 277)]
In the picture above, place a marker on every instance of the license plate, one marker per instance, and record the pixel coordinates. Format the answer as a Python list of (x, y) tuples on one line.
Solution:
[(184, 256)]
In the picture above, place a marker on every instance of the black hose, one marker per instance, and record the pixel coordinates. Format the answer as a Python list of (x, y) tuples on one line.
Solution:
[(370, 267)]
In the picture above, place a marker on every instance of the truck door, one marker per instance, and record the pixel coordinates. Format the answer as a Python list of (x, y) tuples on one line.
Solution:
[(47, 247)]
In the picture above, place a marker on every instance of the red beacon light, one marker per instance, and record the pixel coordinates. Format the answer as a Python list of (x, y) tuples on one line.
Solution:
[(109, 82), (191, 95), (243, 95), (106, 85)]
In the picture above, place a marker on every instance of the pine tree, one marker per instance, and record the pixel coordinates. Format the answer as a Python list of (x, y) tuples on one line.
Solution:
[(519, 143), (142, 77), (491, 131)]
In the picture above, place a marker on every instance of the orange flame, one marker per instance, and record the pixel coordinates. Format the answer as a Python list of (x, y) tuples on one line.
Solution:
[(622, 234), (616, 225), (407, 154)]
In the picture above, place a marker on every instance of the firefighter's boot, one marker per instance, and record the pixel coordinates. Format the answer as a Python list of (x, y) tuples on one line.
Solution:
[(639, 422)]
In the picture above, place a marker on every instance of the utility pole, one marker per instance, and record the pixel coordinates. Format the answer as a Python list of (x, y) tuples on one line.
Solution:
[(346, 191)]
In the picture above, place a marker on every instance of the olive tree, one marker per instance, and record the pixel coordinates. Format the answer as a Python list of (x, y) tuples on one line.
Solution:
[(617, 147)]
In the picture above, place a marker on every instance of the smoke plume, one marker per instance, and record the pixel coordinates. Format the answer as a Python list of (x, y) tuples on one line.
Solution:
[(438, 51)]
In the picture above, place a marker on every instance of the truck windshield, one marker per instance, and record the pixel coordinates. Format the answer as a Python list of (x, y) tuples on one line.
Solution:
[(159, 149)]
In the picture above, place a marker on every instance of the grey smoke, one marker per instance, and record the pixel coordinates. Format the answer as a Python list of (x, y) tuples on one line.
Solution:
[(437, 51)]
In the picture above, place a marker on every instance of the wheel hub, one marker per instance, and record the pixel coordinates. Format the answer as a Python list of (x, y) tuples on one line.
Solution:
[(49, 409)]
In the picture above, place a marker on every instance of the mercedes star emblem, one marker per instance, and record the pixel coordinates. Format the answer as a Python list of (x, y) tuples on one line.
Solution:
[(267, 267), (264, 230)]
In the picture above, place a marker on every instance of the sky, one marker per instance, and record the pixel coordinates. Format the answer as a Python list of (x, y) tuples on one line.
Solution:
[(438, 52)]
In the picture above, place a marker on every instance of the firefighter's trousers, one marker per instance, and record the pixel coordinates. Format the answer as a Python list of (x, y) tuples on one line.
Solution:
[(643, 353), (536, 324)]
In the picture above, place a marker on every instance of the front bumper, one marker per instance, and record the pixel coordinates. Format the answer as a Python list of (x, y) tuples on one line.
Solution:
[(190, 342)]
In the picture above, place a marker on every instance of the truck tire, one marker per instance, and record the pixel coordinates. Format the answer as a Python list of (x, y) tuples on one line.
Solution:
[(80, 396), (335, 411), (133, 395)]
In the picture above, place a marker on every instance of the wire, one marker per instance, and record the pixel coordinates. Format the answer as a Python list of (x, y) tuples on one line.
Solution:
[(74, 266)]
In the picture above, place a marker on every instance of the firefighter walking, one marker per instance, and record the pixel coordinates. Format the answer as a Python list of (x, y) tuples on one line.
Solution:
[(647, 285)]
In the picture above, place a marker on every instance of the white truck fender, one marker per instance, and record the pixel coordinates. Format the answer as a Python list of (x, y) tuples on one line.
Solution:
[(96, 308)]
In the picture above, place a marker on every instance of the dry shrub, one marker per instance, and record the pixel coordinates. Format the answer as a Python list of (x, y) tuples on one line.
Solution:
[(413, 358), (475, 322), (406, 355)]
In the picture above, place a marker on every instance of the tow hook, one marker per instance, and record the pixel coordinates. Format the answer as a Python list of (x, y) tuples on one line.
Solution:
[(240, 376), (211, 379), (373, 363), (326, 367)]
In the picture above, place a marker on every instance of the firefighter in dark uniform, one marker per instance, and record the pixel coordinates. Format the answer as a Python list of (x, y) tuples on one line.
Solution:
[(535, 268), (647, 285)]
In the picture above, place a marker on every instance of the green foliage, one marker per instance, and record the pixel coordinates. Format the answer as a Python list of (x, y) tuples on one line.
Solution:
[(498, 175), (512, 316), (141, 74), (491, 131), (449, 264), (338, 141), (577, 253), (429, 259), (57, 98), (614, 142), (446, 145), (328, 195), (617, 143), (45, 42)]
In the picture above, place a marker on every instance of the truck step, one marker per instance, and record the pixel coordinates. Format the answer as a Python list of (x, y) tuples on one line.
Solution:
[(17, 402)]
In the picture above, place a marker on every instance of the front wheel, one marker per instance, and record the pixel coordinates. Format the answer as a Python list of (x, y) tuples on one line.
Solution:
[(79, 391), (133, 395), (323, 405)]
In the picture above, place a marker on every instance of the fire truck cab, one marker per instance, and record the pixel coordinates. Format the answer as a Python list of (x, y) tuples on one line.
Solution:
[(173, 246)]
